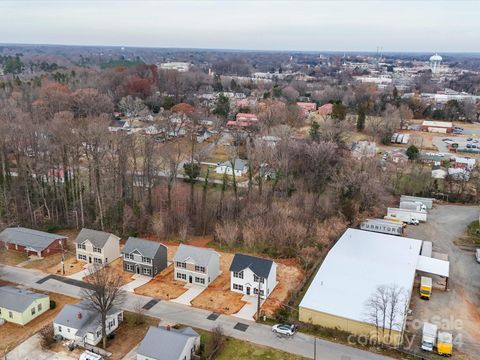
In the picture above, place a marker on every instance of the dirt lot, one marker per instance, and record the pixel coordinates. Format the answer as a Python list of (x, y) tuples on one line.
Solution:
[(116, 267), (11, 334), (456, 310), (162, 286)]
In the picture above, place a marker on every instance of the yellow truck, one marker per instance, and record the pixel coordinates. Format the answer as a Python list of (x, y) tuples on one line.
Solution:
[(425, 287), (444, 343)]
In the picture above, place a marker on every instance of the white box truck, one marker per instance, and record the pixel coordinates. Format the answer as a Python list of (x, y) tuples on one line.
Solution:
[(429, 336), (428, 202), (413, 205), (383, 226), (408, 216)]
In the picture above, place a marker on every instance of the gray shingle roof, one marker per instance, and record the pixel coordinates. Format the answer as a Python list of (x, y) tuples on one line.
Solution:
[(200, 256), (260, 267), (17, 299), (88, 321), (37, 240), (239, 164), (97, 238), (162, 344), (146, 247)]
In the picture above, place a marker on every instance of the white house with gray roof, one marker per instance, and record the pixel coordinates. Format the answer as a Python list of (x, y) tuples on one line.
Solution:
[(82, 324), (248, 274), (240, 167), (144, 257), (169, 344), (195, 265), (97, 247)]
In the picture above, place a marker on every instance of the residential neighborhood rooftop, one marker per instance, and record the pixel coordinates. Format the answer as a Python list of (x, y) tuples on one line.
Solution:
[(259, 266), (97, 238), (147, 248), (37, 240), (201, 256), (17, 299)]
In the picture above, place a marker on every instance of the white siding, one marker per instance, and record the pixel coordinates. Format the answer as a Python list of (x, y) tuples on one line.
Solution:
[(248, 281), (110, 251)]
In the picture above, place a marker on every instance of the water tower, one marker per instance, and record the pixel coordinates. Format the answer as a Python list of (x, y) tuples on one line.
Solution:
[(435, 61)]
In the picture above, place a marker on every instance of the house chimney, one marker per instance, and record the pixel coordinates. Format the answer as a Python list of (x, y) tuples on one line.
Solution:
[(168, 327), (79, 315)]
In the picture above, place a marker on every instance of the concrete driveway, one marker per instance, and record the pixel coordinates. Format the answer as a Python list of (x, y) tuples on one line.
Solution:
[(30, 349), (456, 310), (138, 281), (192, 292), (249, 309)]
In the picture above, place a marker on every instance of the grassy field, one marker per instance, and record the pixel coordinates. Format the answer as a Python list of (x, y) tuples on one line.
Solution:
[(472, 235), (10, 257)]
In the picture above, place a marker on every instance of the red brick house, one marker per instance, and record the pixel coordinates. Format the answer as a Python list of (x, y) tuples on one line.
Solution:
[(32, 242)]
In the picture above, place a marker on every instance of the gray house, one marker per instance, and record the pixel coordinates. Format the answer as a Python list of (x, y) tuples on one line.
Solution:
[(144, 257), (169, 344), (195, 265)]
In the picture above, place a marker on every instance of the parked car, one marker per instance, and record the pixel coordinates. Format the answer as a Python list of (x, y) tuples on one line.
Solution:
[(477, 255), (469, 146), (469, 139), (475, 141), (447, 139), (474, 146), (284, 329)]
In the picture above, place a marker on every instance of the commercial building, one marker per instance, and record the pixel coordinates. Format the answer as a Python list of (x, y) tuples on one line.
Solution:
[(358, 264), (437, 126)]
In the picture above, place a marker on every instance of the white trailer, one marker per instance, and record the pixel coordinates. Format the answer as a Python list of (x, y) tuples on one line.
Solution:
[(383, 226), (408, 216), (428, 202), (429, 336), (413, 205)]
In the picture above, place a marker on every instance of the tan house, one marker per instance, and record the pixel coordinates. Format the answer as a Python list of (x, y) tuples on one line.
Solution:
[(97, 247), (195, 265)]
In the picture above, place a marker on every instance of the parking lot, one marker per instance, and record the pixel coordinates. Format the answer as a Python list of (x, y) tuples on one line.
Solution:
[(457, 309)]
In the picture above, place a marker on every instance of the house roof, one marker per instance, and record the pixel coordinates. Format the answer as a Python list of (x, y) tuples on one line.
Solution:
[(359, 262), (80, 316), (200, 256), (97, 238), (37, 240), (145, 247), (239, 164), (260, 267), (162, 344), (17, 299)]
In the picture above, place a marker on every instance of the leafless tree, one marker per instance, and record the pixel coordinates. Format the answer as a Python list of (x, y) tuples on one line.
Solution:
[(104, 294)]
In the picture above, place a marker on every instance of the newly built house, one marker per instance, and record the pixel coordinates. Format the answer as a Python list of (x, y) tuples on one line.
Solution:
[(169, 344), (353, 270), (97, 247), (82, 324), (195, 265), (248, 274), (32, 242), (21, 306), (144, 257)]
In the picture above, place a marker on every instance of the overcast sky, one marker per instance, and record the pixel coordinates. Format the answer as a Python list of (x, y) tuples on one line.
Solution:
[(397, 25)]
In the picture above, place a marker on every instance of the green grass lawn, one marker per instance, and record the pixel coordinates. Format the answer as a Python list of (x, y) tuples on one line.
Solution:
[(472, 234)]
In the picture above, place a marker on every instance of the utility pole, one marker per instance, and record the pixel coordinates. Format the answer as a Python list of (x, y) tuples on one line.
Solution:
[(314, 348), (63, 257), (258, 293)]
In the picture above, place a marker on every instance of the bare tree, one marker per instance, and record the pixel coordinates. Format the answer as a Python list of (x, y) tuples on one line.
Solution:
[(216, 343), (103, 294)]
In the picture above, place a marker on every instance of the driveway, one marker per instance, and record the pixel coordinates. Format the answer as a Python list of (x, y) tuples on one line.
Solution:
[(249, 309), (30, 349), (192, 292), (81, 274), (139, 281), (456, 310)]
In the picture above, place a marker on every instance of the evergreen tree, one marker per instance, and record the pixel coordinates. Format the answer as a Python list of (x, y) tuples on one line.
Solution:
[(222, 107), (361, 118), (314, 131), (412, 152)]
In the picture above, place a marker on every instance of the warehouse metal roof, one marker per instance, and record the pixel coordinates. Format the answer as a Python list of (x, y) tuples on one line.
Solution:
[(359, 262)]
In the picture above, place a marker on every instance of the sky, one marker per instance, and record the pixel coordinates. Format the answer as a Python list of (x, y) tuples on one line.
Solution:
[(315, 25)]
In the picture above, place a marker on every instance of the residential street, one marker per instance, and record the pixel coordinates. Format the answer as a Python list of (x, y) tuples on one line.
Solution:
[(300, 344)]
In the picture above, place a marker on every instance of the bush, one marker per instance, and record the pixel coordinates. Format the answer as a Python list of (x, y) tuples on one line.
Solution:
[(46, 336), (53, 304)]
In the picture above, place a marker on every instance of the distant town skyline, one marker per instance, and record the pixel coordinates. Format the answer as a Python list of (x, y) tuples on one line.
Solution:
[(345, 25)]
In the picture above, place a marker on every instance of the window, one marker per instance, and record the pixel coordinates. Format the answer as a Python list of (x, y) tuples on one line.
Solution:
[(199, 280), (97, 261), (39, 307), (129, 267), (181, 264), (238, 274), (255, 291), (146, 260), (99, 332), (237, 287), (68, 330), (256, 279), (200, 268), (147, 271), (33, 310), (181, 276), (10, 314), (97, 250), (59, 328), (81, 246), (82, 257)]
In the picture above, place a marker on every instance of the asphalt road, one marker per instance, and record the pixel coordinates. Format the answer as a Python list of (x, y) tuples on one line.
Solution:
[(456, 310), (299, 344)]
